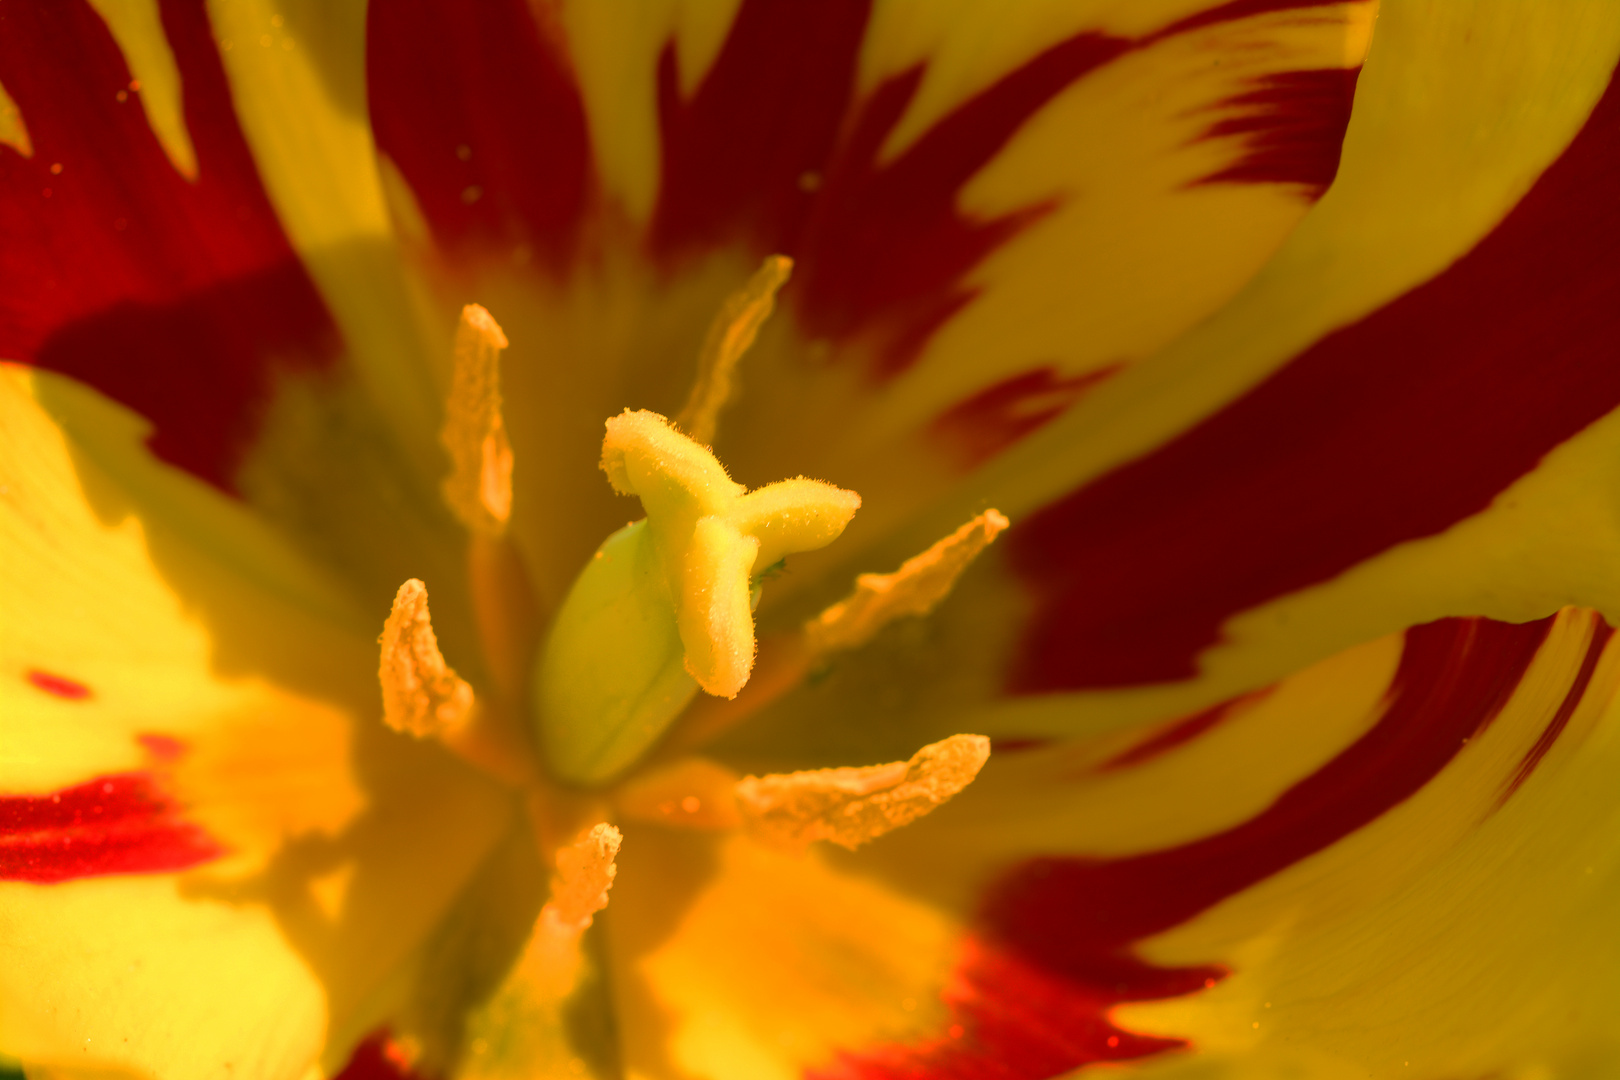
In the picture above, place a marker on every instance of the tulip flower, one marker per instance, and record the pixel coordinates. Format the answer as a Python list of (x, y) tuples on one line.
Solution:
[(841, 540)]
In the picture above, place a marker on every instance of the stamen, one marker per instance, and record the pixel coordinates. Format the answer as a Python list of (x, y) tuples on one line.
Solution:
[(915, 589), (422, 695), (730, 336), (854, 805), (479, 487), (585, 873)]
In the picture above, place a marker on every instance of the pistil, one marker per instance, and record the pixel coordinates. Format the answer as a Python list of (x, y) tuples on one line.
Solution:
[(666, 604)]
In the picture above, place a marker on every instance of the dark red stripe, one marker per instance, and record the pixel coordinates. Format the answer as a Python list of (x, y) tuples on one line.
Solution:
[(1057, 947), (741, 156), (1234, 10), (772, 151), (1079, 916), (983, 425), (1293, 124), (176, 298), (477, 106), (1388, 430), (1601, 634), (379, 1057), (1009, 1020), (1179, 733), (59, 685), (118, 824)]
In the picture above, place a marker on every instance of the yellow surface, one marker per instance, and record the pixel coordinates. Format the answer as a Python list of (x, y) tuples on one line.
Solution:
[(1430, 166), (1450, 937), (767, 968), (13, 132), (137, 27), (187, 619), (297, 76)]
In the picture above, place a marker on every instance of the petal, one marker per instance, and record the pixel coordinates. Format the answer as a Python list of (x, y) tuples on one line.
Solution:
[(176, 295), (733, 960), (1065, 208), (1464, 931), (1402, 891), (1395, 428), (800, 134), (215, 853), (298, 83)]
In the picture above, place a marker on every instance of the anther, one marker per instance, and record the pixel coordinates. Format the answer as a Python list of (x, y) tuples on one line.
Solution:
[(730, 336), (479, 487), (851, 806), (915, 589), (585, 873), (422, 695)]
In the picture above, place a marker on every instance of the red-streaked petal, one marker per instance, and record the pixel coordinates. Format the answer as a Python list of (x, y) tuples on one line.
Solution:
[(1388, 430), (477, 107), (177, 297), (776, 149), (118, 824)]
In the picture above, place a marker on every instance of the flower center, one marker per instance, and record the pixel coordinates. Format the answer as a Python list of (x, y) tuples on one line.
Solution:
[(664, 608)]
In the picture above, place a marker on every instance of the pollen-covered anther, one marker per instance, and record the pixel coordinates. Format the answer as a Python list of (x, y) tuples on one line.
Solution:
[(479, 487), (730, 336), (422, 695), (585, 872), (851, 806), (915, 589)]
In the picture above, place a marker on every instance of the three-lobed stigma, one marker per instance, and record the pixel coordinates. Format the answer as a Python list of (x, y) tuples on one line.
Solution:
[(665, 606)]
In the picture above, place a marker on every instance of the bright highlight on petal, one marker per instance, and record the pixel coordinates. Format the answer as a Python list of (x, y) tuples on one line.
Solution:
[(479, 488), (851, 806), (730, 335), (422, 695), (915, 589)]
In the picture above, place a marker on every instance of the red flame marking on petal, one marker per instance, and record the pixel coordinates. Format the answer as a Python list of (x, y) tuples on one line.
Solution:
[(1057, 948), (477, 107), (123, 823), (1179, 733), (976, 429), (59, 685), (1566, 709), (1295, 123), (165, 748), (176, 297), (1385, 431), (378, 1057), (772, 151)]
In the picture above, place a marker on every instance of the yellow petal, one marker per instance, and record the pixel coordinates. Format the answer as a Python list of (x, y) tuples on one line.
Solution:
[(175, 643), (137, 27), (297, 76), (770, 967), (1382, 231), (1464, 931)]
